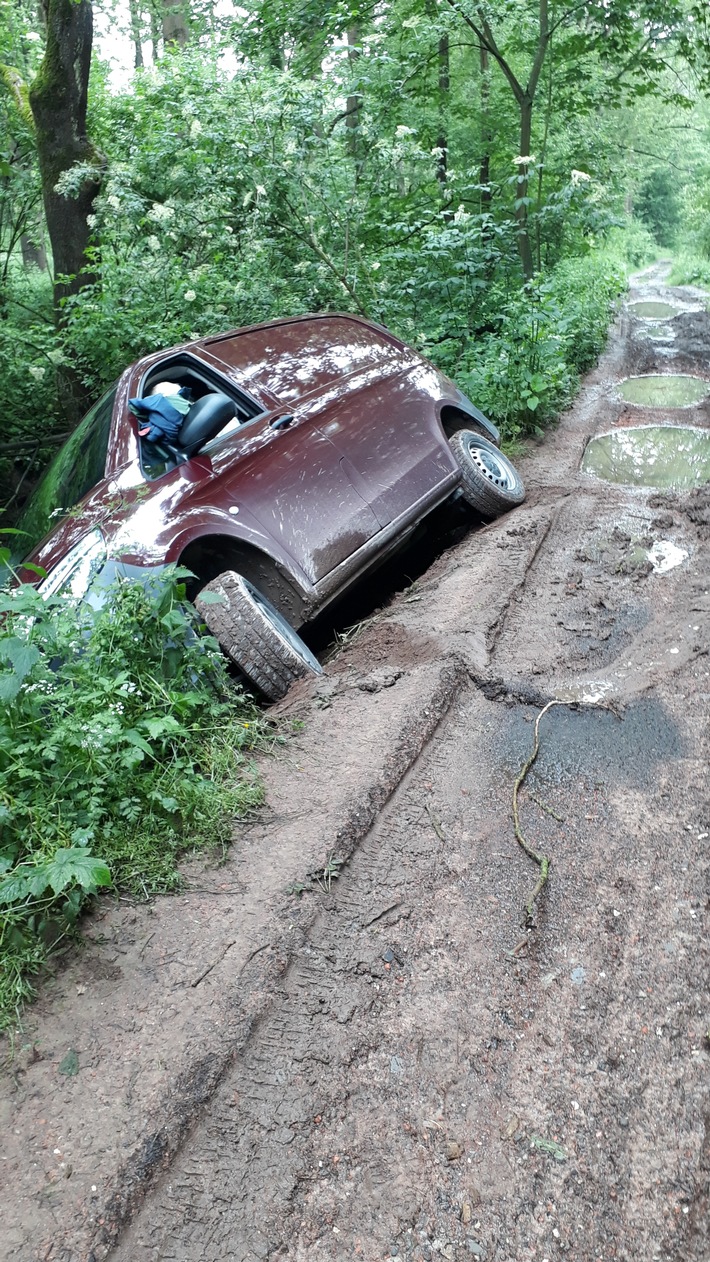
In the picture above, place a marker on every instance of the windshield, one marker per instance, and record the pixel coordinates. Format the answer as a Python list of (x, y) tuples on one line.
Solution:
[(76, 468)]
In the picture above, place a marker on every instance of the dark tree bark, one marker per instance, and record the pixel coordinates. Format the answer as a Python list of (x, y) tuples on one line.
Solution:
[(58, 99), (175, 28)]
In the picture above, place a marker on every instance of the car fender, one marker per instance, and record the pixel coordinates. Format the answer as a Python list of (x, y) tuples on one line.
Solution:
[(453, 413), (218, 543)]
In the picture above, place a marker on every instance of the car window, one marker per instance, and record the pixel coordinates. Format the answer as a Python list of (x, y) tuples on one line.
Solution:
[(76, 468)]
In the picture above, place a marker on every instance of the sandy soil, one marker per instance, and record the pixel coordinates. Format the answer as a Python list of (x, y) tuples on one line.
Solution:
[(390, 1064)]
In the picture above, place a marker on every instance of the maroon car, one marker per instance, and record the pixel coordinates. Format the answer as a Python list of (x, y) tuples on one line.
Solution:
[(309, 448)]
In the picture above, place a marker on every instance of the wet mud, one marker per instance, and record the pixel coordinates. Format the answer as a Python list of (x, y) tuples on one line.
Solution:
[(345, 1042)]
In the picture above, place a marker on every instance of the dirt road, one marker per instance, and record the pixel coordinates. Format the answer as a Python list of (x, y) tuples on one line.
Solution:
[(387, 1064)]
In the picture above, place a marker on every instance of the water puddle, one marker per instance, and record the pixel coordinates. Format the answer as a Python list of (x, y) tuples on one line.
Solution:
[(672, 456), (653, 310), (659, 332), (664, 390)]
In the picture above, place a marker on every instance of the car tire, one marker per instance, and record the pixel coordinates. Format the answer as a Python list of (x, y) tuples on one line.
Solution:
[(255, 636), (489, 482)]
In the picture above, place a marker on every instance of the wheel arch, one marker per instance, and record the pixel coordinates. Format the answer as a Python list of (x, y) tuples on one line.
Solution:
[(457, 416), (210, 555)]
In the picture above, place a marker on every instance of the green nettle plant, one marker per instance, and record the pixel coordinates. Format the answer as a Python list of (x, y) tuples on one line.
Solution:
[(123, 743)]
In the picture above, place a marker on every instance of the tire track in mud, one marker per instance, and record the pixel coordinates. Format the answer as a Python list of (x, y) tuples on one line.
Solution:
[(394, 1041)]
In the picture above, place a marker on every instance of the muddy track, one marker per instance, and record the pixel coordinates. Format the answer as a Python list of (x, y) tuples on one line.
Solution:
[(388, 1064)]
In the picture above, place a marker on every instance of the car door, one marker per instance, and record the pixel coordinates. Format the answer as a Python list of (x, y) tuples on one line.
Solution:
[(389, 433), (294, 481)]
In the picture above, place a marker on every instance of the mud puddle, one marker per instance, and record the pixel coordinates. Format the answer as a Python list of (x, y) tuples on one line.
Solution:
[(653, 310), (595, 744), (665, 390), (670, 456)]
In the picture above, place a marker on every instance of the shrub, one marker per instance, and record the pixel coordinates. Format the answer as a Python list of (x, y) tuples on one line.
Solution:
[(551, 331), (123, 743)]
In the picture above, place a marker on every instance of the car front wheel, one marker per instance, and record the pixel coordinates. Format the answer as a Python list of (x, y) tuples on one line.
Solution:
[(254, 635), (489, 482)]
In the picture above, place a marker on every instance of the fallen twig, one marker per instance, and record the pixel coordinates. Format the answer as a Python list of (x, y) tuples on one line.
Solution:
[(542, 860), (435, 824), (201, 976), (544, 807)]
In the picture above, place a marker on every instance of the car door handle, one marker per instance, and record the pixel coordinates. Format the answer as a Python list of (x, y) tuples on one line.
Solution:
[(281, 422)]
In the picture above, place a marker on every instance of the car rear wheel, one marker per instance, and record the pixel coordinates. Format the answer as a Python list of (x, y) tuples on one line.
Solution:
[(489, 482), (254, 635)]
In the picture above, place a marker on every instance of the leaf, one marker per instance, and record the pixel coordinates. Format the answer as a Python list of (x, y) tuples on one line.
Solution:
[(212, 598), (549, 1146), (134, 738), (14, 888), (531, 402), (162, 726), (76, 865), (10, 685), (36, 569), (21, 656), (70, 1064)]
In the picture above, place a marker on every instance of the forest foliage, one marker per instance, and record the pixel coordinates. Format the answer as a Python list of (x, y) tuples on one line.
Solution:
[(478, 177)]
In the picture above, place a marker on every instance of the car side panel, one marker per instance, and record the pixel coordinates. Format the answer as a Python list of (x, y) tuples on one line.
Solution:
[(391, 435)]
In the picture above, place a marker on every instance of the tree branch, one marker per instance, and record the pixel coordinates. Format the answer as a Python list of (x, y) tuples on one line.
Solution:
[(485, 37)]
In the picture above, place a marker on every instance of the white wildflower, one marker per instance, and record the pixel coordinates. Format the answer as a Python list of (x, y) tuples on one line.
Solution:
[(524, 160), (37, 373), (153, 244), (376, 266), (91, 221), (195, 128), (260, 190), (579, 177), (114, 201), (402, 131), (159, 212), (461, 215), (189, 295)]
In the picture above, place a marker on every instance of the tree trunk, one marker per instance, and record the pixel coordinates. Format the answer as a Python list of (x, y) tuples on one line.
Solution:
[(354, 101), (154, 31), (58, 99), (33, 253), (484, 170), (521, 210), (135, 13), (175, 28), (442, 140)]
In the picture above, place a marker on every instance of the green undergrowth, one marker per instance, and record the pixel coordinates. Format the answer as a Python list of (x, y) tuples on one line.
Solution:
[(124, 745), (690, 269), (527, 370)]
